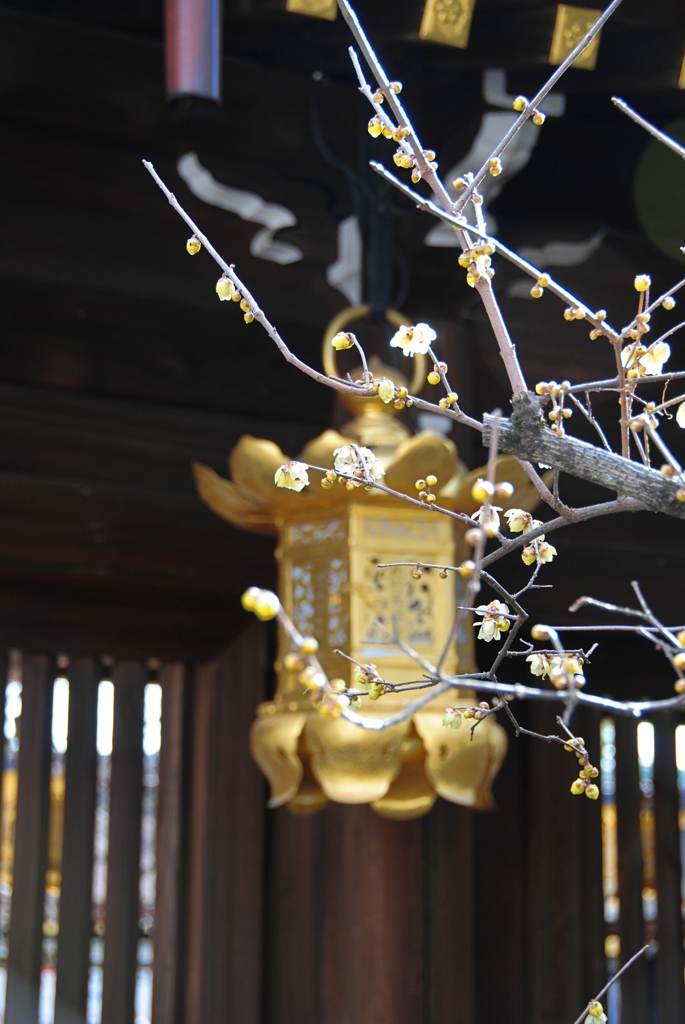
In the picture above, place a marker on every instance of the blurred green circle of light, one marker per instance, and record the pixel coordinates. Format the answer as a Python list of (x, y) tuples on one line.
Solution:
[(660, 193)]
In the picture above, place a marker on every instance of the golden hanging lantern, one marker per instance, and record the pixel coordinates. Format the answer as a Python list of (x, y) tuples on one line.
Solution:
[(329, 545)]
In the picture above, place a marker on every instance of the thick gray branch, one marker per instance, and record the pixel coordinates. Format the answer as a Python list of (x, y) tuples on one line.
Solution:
[(527, 436)]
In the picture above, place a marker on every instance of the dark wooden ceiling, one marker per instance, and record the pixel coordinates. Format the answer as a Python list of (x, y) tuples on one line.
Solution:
[(117, 364)]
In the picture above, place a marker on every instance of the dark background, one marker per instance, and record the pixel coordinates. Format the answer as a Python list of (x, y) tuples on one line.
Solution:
[(118, 366)]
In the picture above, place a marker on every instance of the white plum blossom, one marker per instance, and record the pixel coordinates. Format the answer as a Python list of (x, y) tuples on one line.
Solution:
[(413, 340), (495, 621), (538, 549), (354, 461), (543, 664), (386, 390), (293, 476), (655, 357), (488, 517), (519, 521), (649, 362)]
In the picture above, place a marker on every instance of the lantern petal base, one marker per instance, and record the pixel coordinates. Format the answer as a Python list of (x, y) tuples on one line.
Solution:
[(353, 765), (462, 765), (274, 740), (411, 794)]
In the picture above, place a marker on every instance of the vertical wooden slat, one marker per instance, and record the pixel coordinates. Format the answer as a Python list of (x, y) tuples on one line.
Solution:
[(373, 918), (500, 860), (237, 865), (669, 961), (123, 863), (76, 923), (449, 941), (199, 838), (225, 889), (167, 965), (631, 927), (294, 918), (589, 854), (554, 894), (30, 856)]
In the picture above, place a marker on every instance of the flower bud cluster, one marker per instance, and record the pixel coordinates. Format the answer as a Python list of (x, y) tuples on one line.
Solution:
[(263, 603), (562, 672), (538, 290), (558, 413), (424, 488), (453, 717), (226, 291), (477, 262), (588, 772)]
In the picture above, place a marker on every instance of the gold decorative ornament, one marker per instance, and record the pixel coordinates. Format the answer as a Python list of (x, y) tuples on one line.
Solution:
[(330, 542), (327, 9), (570, 26), (447, 21)]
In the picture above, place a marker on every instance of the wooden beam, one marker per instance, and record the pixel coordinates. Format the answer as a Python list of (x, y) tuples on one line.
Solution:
[(223, 953), (31, 841), (123, 859), (669, 959), (76, 920), (168, 964)]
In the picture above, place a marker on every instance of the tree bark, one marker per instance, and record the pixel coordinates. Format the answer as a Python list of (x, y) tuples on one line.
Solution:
[(526, 435)]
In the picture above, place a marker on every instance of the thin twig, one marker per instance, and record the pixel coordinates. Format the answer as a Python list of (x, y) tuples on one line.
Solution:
[(636, 956)]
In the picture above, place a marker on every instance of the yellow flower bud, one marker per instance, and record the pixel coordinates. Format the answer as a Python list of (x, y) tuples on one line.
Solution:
[(473, 536), (679, 660), (520, 103), (569, 314), (467, 569), (642, 282), (536, 291), (539, 633), (578, 786), (482, 490), (249, 598), (431, 480), (433, 377), (595, 1009), (495, 167), (396, 87), (225, 288), (668, 303), (309, 645), (293, 662), (592, 791), (420, 485), (539, 117), (266, 605), (459, 183), (341, 341), (245, 306), (680, 637), (430, 498), (375, 127), (248, 317), (193, 245), (416, 573)]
